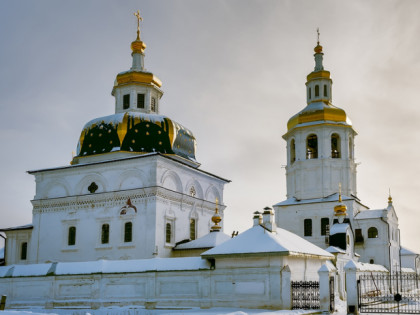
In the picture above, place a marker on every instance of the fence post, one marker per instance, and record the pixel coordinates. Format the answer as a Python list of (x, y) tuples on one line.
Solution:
[(286, 290), (326, 270), (3, 302), (351, 287)]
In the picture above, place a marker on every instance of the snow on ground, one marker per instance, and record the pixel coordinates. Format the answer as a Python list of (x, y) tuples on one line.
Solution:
[(133, 310)]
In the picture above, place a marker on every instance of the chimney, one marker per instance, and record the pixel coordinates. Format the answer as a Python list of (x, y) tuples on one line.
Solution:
[(257, 218), (268, 219)]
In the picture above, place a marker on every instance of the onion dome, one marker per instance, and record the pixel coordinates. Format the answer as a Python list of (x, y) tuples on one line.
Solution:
[(340, 209), (216, 218), (136, 132), (319, 108), (136, 127)]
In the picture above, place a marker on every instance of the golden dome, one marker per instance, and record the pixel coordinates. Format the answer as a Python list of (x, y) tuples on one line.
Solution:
[(318, 111), (138, 46), (318, 49)]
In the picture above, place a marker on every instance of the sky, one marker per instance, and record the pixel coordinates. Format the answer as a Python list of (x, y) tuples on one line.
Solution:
[(233, 73)]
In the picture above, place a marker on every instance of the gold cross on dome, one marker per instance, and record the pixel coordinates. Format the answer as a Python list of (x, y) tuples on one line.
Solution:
[(139, 18), (317, 30)]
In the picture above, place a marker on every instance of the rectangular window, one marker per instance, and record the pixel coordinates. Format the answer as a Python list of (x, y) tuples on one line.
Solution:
[(325, 90), (72, 236), (140, 100), (153, 105), (128, 232), (307, 224), (325, 223), (192, 229), (105, 234), (168, 233), (126, 101), (358, 236), (24, 251)]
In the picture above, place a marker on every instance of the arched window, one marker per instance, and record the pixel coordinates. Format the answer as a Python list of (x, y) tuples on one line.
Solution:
[(312, 147), (128, 232), (72, 236), (316, 90), (193, 229), (168, 234), (292, 151), (310, 93), (325, 90), (105, 234), (372, 232), (351, 148), (325, 224), (307, 225), (23, 250), (335, 146), (371, 261)]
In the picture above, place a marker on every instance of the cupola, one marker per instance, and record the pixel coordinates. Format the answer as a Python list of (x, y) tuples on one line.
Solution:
[(318, 98), (136, 127)]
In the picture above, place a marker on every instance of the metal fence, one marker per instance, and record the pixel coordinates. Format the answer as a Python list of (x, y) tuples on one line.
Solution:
[(305, 295), (389, 293)]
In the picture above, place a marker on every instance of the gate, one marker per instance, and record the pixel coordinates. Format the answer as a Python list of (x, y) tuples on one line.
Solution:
[(332, 294), (389, 293), (305, 295)]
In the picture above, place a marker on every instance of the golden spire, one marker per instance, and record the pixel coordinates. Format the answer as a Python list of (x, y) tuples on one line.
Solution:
[(139, 18), (339, 193), (318, 48), (138, 46), (216, 218), (389, 196)]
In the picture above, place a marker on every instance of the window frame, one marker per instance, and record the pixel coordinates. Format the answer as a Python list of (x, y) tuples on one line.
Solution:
[(325, 227), (105, 228), (24, 251), (71, 236), (373, 232), (128, 232), (307, 227)]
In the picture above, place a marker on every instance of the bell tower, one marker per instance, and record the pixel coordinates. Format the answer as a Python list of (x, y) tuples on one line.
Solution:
[(320, 142)]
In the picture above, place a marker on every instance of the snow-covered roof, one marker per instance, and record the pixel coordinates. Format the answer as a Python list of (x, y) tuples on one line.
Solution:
[(339, 228), (207, 241), (259, 241), (408, 270), (365, 267), (334, 250), (21, 227), (105, 266), (371, 214), (330, 198), (405, 251), (328, 266)]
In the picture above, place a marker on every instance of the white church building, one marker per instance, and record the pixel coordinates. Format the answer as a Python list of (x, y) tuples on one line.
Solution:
[(135, 220)]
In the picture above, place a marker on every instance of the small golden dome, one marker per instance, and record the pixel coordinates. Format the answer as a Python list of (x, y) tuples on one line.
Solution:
[(138, 46), (318, 49), (340, 209), (216, 218)]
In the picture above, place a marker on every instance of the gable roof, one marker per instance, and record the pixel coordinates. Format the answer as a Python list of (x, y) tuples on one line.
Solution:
[(207, 241), (258, 241)]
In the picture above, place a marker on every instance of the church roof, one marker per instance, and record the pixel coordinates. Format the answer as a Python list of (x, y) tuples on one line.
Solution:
[(330, 198), (335, 250), (405, 252), (258, 241), (105, 266), (371, 214), (16, 228), (209, 240), (338, 228)]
